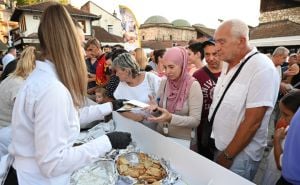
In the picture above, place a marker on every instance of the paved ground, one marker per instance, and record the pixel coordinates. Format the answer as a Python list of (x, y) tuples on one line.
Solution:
[(262, 167)]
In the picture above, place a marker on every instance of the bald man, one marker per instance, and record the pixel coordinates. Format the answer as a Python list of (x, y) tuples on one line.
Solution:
[(241, 120)]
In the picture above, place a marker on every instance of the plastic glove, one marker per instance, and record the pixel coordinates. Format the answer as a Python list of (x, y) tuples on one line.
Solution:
[(117, 104), (119, 140)]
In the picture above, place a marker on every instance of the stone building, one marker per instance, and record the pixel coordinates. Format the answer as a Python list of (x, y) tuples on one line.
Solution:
[(157, 32), (29, 18), (279, 26), (108, 21)]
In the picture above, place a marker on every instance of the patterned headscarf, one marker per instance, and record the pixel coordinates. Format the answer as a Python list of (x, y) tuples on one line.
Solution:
[(177, 90)]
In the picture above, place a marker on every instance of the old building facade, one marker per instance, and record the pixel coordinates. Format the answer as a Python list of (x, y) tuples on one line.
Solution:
[(279, 26), (29, 18), (157, 32), (108, 21)]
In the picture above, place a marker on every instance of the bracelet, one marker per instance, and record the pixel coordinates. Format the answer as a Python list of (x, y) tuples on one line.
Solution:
[(227, 156)]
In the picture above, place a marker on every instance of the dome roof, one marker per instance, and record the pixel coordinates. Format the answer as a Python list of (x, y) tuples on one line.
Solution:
[(181, 23), (156, 19), (200, 25)]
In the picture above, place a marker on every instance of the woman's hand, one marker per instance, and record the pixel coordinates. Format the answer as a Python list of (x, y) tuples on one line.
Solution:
[(164, 115), (152, 105), (133, 116), (152, 100)]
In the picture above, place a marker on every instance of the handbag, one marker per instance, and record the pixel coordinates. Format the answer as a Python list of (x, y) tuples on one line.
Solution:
[(211, 121)]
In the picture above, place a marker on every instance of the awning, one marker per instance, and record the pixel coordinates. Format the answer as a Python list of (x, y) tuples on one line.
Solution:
[(277, 41)]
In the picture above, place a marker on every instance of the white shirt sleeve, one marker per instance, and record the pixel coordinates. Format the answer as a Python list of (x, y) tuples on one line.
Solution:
[(94, 112), (258, 95), (55, 122)]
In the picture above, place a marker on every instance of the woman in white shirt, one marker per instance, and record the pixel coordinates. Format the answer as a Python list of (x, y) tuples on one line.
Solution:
[(46, 113), (9, 89), (134, 84)]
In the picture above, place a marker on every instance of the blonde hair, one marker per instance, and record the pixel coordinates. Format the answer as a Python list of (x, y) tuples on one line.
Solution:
[(60, 44), (26, 63), (140, 57)]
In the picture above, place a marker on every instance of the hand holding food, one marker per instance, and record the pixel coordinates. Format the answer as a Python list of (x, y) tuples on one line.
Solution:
[(160, 115)]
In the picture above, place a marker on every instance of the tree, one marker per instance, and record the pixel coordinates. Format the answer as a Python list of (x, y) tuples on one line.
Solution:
[(27, 2)]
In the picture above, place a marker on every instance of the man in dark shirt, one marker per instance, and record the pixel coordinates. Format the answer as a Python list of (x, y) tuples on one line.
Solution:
[(207, 77)]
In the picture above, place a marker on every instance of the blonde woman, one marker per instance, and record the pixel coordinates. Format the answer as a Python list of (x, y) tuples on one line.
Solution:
[(9, 89), (141, 59), (46, 114)]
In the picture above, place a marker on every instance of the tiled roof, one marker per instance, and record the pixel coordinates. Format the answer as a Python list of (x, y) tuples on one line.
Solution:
[(40, 7), (103, 36), (275, 29), (204, 30), (153, 44)]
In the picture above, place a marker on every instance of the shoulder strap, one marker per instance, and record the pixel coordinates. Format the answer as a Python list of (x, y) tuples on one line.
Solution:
[(210, 74), (296, 85), (229, 84)]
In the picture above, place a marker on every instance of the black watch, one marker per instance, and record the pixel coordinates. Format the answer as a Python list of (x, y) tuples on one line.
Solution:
[(227, 156)]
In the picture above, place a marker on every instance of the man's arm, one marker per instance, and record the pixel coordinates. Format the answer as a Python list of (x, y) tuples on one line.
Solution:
[(243, 135)]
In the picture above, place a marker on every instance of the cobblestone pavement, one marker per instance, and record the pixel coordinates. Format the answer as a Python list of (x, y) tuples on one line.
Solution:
[(262, 166)]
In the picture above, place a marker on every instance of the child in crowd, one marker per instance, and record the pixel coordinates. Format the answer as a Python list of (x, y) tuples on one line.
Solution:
[(288, 106), (101, 95)]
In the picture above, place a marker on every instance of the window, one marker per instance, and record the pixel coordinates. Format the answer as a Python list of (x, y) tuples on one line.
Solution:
[(36, 17), (110, 29), (23, 24), (143, 37), (82, 23), (171, 38)]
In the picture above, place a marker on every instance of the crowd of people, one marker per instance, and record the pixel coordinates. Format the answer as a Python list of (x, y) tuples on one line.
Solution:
[(218, 97)]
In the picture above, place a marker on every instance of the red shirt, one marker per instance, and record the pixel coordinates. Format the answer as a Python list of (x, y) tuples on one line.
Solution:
[(101, 78)]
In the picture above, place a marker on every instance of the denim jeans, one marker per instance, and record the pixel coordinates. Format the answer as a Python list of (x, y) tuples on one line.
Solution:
[(243, 165)]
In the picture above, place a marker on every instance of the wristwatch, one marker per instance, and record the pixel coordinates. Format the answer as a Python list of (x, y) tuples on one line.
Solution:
[(227, 156)]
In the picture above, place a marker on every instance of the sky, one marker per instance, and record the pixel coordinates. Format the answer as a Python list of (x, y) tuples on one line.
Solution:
[(194, 11)]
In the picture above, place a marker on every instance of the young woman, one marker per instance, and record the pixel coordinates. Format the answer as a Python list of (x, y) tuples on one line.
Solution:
[(179, 98), (47, 112)]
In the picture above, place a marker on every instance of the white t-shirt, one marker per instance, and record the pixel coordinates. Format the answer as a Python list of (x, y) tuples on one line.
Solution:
[(7, 59), (45, 125), (257, 85), (149, 86), (9, 89)]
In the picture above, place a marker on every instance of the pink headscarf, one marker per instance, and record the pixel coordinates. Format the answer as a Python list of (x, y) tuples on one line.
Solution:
[(177, 90)]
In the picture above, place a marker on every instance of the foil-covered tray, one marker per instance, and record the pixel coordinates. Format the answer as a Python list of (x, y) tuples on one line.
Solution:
[(140, 168), (102, 172), (105, 172)]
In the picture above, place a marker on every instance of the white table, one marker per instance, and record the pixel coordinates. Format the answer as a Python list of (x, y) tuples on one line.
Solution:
[(194, 169)]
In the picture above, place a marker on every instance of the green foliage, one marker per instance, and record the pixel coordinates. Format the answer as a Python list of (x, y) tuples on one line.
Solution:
[(27, 2)]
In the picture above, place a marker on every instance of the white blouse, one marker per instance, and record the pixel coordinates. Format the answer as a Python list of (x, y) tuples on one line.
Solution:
[(45, 125), (141, 92)]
